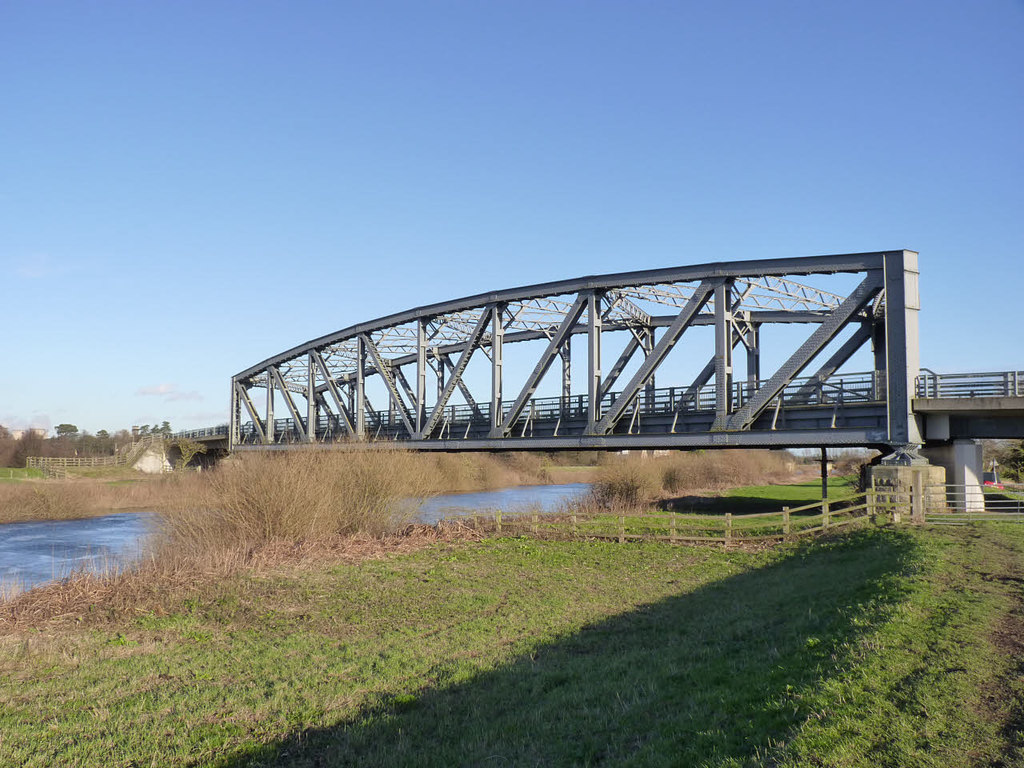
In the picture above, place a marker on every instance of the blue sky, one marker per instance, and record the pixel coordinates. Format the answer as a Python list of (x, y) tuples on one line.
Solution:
[(187, 188)]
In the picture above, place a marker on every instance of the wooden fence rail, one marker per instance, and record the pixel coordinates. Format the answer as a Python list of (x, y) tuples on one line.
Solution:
[(689, 528)]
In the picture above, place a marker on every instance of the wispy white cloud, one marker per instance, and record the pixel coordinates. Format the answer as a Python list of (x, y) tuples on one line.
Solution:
[(37, 420), (168, 392), (207, 417), (40, 266)]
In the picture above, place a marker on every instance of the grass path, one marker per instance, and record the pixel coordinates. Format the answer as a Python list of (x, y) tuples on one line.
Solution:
[(890, 647)]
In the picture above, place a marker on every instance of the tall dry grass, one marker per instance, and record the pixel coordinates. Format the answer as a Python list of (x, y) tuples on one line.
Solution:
[(258, 498), (70, 499), (630, 481)]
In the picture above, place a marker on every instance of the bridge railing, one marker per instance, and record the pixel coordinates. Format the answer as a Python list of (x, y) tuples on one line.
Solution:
[(990, 384), (458, 419), (192, 434)]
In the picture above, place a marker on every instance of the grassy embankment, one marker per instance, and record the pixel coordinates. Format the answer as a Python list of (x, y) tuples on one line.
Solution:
[(268, 633), (888, 647)]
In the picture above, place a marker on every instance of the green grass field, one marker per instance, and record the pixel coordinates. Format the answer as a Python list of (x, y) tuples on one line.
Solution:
[(884, 647), (9, 474)]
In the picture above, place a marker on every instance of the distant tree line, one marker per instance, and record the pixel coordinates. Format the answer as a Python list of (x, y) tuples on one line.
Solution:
[(1009, 455), (69, 441)]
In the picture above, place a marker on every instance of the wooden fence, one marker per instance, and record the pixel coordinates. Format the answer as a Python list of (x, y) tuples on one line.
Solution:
[(58, 466), (690, 528)]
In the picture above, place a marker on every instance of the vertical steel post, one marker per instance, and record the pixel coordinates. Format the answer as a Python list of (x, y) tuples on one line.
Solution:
[(723, 353), (421, 374), (271, 437), (593, 360), (497, 339), (311, 409), (902, 352), (439, 371), (566, 354), (360, 388), (753, 346), (236, 417), (649, 387)]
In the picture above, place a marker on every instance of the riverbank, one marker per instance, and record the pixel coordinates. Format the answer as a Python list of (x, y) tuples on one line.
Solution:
[(24, 496), (892, 646)]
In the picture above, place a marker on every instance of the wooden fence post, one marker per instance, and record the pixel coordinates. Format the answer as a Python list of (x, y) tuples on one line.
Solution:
[(575, 530), (497, 520), (622, 529), (673, 527), (824, 514), (728, 528), (536, 519), (785, 521)]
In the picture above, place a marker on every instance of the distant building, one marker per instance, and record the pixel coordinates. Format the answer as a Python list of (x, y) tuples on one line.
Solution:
[(17, 434)]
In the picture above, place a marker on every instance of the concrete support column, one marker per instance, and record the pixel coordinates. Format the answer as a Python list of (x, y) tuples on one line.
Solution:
[(962, 460)]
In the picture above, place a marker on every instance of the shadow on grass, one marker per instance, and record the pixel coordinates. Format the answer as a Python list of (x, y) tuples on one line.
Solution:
[(738, 505), (708, 677)]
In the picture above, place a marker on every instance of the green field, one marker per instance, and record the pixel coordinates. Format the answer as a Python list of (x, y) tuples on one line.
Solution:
[(883, 647), (9, 474)]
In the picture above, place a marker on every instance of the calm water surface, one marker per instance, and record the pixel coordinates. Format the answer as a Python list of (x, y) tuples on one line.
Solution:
[(37, 552), (540, 498)]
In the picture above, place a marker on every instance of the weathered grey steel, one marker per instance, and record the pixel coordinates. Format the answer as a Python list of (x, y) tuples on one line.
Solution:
[(833, 364), (817, 341), (903, 356), (456, 377), (497, 342), (542, 366), (276, 375), (332, 388), (858, 262), (736, 298), (594, 324), (397, 403), (723, 353), (661, 349)]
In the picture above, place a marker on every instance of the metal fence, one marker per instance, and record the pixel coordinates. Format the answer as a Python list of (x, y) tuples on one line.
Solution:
[(960, 504), (991, 384)]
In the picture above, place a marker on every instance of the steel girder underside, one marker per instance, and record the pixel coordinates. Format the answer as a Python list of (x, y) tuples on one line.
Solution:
[(809, 400)]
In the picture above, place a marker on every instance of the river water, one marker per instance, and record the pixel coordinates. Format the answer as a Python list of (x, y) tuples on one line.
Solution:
[(523, 498), (38, 552)]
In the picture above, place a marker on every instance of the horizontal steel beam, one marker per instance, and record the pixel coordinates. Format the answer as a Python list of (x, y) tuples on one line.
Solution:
[(808, 438)]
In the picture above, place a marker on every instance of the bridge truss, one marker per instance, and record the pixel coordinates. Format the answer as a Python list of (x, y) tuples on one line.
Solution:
[(417, 364)]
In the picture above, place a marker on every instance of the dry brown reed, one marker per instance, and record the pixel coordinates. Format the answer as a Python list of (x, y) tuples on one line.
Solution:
[(258, 498), (633, 480), (69, 499)]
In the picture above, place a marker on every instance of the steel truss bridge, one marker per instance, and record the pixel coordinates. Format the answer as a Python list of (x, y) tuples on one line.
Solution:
[(439, 378)]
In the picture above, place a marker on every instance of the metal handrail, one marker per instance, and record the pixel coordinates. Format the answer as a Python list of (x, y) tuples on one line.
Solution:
[(986, 384)]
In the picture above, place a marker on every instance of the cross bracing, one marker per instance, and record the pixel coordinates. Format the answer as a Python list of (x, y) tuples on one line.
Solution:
[(424, 368)]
